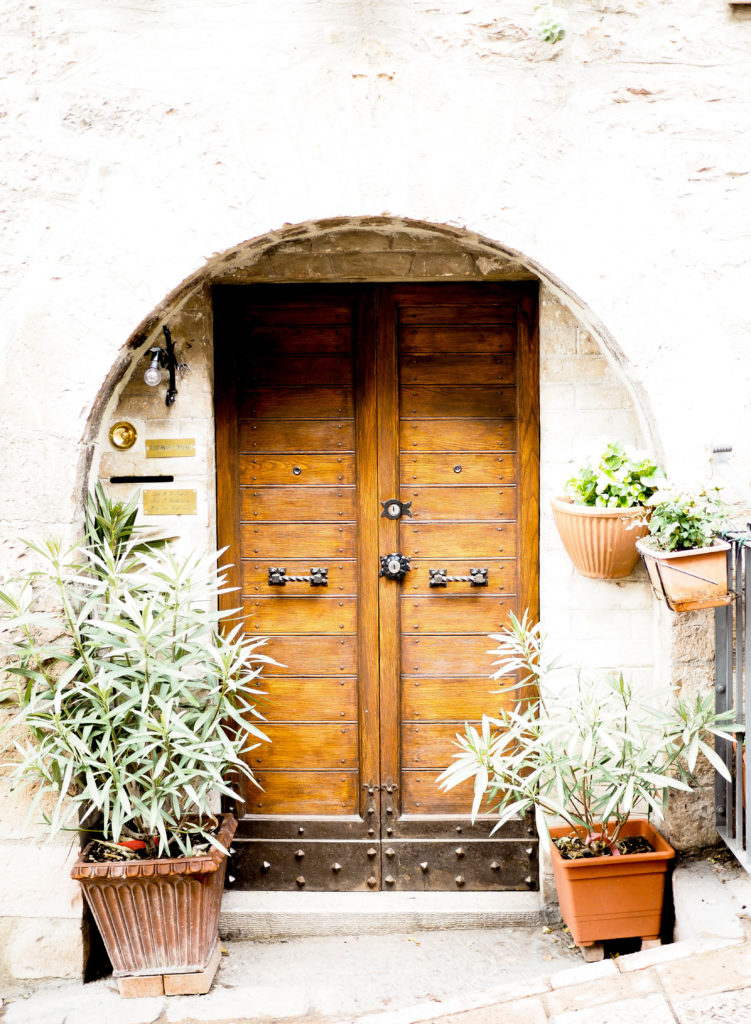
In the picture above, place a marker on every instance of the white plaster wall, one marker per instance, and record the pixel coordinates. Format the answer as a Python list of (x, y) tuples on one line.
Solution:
[(138, 140)]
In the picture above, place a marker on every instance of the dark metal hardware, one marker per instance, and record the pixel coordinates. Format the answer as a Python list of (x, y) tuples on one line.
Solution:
[(395, 566), (319, 577), (395, 509), (476, 578), (165, 357), (163, 479)]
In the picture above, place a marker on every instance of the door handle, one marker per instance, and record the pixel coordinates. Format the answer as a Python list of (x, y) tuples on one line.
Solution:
[(476, 578), (319, 577)]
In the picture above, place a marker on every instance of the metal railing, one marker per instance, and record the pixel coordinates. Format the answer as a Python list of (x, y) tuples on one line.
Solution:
[(732, 670)]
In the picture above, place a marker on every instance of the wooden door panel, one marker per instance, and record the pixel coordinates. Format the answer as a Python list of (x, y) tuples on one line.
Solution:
[(297, 470), (453, 699), (300, 340), (443, 612), (430, 745), (457, 435), (308, 614), (470, 541), (278, 541), (299, 371), (461, 503), (456, 468), (294, 312), (450, 339), (445, 655), (462, 313), (501, 576), (444, 368), (296, 403), (310, 699), (255, 576), (313, 655), (335, 435), (422, 795), (304, 793), (323, 744), (299, 504), (430, 400)]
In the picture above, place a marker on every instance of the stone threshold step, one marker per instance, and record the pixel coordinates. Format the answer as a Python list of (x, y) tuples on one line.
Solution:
[(274, 915)]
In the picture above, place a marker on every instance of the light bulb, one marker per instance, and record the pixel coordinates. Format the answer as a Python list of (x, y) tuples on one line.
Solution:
[(152, 377)]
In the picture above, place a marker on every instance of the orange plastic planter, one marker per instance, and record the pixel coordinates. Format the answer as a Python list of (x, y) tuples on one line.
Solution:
[(601, 542), (613, 897)]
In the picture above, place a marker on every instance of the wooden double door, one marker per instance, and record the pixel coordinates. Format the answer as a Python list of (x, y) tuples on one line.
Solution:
[(377, 469)]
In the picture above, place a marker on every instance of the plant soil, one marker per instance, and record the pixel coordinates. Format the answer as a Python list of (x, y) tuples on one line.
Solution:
[(102, 851), (575, 848)]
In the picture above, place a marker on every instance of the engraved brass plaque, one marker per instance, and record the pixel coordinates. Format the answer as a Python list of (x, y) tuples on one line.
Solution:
[(169, 503), (170, 447)]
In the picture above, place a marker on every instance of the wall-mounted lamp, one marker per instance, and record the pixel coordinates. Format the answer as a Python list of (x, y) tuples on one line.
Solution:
[(164, 357)]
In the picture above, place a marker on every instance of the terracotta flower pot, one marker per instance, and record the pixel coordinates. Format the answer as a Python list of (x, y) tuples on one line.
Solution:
[(601, 542), (158, 916), (687, 580), (613, 897)]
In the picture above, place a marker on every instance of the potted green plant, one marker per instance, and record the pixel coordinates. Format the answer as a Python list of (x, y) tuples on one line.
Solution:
[(135, 704), (603, 512), (588, 753), (684, 557)]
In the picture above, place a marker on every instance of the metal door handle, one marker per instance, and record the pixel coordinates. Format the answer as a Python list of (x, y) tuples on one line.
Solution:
[(319, 577), (476, 578)]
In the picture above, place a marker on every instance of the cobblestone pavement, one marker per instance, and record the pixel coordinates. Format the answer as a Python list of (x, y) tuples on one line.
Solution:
[(544, 982)]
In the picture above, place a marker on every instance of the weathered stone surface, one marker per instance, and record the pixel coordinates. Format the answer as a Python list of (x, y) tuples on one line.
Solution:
[(45, 947)]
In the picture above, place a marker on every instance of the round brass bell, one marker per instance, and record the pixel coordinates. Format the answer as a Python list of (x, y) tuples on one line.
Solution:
[(123, 435)]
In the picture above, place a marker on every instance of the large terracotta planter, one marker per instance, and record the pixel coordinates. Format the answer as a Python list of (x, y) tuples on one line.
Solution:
[(605, 898), (687, 580), (158, 916), (601, 542)]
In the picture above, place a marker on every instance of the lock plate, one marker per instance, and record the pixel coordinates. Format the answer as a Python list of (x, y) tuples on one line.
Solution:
[(395, 509), (395, 566)]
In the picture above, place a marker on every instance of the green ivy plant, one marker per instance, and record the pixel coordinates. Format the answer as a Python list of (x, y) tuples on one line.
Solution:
[(590, 753), (680, 520), (135, 700), (550, 23), (621, 479)]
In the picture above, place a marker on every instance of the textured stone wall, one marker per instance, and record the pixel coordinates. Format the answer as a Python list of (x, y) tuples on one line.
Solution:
[(142, 144)]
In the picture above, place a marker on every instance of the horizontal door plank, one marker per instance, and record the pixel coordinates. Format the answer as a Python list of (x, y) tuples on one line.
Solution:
[(311, 656), (461, 313), (492, 339), (298, 504), (280, 469), (325, 745), (283, 371), (301, 403), (461, 503), (473, 541), (455, 468), (422, 795), (302, 793), (457, 699), (334, 435), (255, 576), (447, 655), (278, 541), (501, 575), (469, 611), (436, 401), (309, 699), (296, 313), (297, 339), (431, 745), (457, 435), (315, 612), (445, 368)]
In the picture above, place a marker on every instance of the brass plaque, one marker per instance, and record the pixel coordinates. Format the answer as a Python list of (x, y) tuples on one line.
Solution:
[(170, 447), (169, 503)]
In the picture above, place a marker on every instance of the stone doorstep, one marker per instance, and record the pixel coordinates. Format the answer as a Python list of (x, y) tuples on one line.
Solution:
[(194, 983), (264, 915)]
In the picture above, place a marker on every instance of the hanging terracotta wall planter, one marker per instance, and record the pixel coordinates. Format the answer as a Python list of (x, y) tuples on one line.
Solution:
[(688, 580), (601, 542), (604, 898)]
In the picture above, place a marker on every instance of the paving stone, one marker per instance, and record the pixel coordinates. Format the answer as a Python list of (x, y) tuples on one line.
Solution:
[(667, 954), (652, 1008), (718, 1008), (609, 990), (253, 1002), (522, 1011), (584, 974), (720, 971)]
